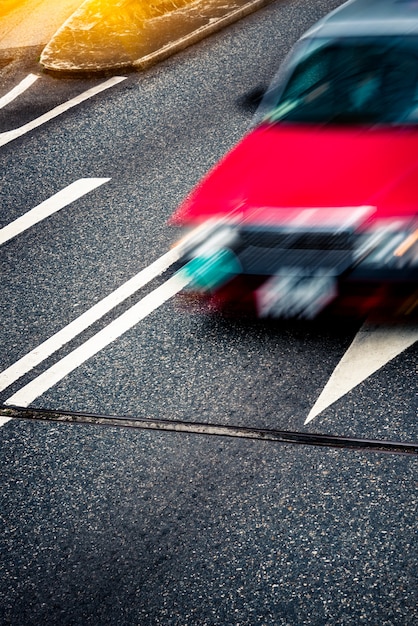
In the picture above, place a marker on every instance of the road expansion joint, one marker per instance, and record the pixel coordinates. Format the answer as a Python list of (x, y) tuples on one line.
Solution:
[(218, 430)]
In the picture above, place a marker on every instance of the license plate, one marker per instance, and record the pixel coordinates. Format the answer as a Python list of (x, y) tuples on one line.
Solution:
[(293, 293)]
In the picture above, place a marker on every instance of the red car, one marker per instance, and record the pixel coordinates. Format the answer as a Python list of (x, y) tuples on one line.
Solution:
[(315, 210)]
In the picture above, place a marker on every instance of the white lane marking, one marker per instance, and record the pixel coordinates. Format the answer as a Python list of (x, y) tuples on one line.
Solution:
[(103, 338), (372, 348), (10, 135), (47, 208), (86, 319), (4, 420), (19, 89)]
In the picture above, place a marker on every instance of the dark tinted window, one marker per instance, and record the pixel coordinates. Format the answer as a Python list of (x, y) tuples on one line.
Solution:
[(371, 81)]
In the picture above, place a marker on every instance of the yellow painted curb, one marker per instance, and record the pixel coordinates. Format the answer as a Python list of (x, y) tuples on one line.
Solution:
[(113, 34)]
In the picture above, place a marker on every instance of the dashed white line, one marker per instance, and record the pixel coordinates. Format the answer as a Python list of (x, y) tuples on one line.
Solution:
[(103, 338), (10, 135), (86, 319), (47, 208), (372, 348), (19, 89)]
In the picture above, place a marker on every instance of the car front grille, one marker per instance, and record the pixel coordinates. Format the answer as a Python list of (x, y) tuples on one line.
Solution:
[(298, 240), (267, 252)]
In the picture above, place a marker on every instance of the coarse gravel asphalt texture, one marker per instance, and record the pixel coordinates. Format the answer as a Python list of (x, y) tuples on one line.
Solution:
[(110, 526)]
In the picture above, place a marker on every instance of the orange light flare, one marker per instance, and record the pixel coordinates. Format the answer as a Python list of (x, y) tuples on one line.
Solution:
[(407, 244), (66, 7), (9, 5)]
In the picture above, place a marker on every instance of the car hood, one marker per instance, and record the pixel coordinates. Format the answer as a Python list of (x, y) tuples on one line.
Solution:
[(277, 169)]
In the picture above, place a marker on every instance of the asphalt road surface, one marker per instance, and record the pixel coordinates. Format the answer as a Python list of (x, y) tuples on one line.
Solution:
[(112, 525)]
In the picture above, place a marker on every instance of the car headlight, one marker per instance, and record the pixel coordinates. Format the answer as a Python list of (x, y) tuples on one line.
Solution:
[(408, 249), (208, 238), (389, 247)]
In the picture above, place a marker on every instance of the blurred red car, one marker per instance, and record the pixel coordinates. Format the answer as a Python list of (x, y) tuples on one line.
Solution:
[(315, 210)]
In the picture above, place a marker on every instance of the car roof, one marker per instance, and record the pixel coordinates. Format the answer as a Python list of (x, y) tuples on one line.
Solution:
[(369, 18)]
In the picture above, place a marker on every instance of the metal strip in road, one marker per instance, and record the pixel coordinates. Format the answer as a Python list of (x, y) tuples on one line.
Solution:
[(10, 135), (242, 432), (19, 89), (47, 208), (103, 338), (86, 319)]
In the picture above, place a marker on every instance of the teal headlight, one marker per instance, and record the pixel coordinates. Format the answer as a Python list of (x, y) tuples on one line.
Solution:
[(208, 272)]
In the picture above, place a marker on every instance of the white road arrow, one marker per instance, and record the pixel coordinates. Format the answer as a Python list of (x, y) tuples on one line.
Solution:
[(372, 348)]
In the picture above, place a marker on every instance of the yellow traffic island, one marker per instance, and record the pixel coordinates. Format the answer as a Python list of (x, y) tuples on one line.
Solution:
[(112, 34)]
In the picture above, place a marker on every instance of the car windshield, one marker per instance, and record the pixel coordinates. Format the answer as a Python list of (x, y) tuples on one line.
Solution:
[(351, 81)]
